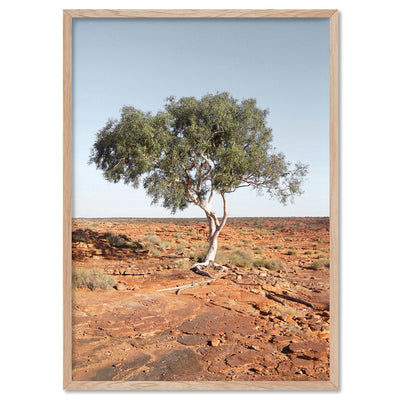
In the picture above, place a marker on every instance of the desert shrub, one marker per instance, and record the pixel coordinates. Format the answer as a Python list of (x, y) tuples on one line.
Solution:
[(324, 250), (276, 246), (80, 235), (291, 253), (258, 250), (286, 310), (181, 247), (197, 254), (154, 239), (92, 279), (222, 258), (155, 244), (121, 241), (196, 251), (308, 252), (185, 263), (241, 258), (273, 264), (318, 264), (153, 250)]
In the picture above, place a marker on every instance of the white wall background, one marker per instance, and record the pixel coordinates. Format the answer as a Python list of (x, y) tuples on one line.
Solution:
[(31, 199)]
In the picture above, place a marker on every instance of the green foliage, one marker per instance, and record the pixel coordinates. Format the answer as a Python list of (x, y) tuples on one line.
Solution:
[(195, 147), (92, 279)]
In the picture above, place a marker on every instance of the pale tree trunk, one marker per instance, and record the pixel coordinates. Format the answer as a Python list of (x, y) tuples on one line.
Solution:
[(215, 228), (212, 250)]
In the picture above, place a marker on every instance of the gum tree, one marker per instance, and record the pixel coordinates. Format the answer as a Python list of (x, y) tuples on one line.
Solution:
[(195, 150)]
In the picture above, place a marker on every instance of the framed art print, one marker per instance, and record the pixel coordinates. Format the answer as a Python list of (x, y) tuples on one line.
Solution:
[(201, 199)]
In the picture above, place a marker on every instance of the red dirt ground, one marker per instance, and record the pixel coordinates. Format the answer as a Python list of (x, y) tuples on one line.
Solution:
[(225, 330)]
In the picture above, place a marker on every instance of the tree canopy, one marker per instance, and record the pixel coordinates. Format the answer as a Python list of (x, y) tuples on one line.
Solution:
[(194, 149)]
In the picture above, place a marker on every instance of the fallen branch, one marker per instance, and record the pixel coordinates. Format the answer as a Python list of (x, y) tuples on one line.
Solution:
[(295, 299), (180, 288), (272, 297), (248, 284)]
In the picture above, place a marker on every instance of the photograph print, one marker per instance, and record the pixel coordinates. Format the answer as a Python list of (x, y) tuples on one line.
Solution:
[(200, 219)]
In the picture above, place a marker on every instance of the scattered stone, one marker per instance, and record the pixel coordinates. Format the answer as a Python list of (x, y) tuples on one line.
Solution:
[(282, 340), (308, 350), (120, 287)]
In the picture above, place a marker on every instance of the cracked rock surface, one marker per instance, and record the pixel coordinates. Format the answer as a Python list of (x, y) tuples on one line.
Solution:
[(225, 330)]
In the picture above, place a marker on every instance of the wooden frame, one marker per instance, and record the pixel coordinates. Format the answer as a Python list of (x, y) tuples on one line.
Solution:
[(67, 203)]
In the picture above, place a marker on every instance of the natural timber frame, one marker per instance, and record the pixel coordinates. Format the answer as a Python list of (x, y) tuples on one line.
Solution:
[(67, 195)]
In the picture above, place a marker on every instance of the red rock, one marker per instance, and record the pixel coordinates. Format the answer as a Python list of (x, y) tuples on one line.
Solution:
[(285, 368), (309, 350), (247, 357), (154, 321), (121, 286), (215, 283), (324, 334), (234, 295), (282, 340)]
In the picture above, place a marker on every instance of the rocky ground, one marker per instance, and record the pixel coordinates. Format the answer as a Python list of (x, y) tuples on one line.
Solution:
[(249, 323)]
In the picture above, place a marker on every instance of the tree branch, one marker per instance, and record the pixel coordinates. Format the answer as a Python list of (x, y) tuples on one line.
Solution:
[(118, 164), (225, 217)]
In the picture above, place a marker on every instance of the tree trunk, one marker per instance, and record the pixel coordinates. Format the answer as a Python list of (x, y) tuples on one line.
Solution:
[(215, 228), (212, 250)]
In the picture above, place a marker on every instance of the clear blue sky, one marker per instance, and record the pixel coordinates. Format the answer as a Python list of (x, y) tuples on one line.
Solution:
[(282, 63)]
